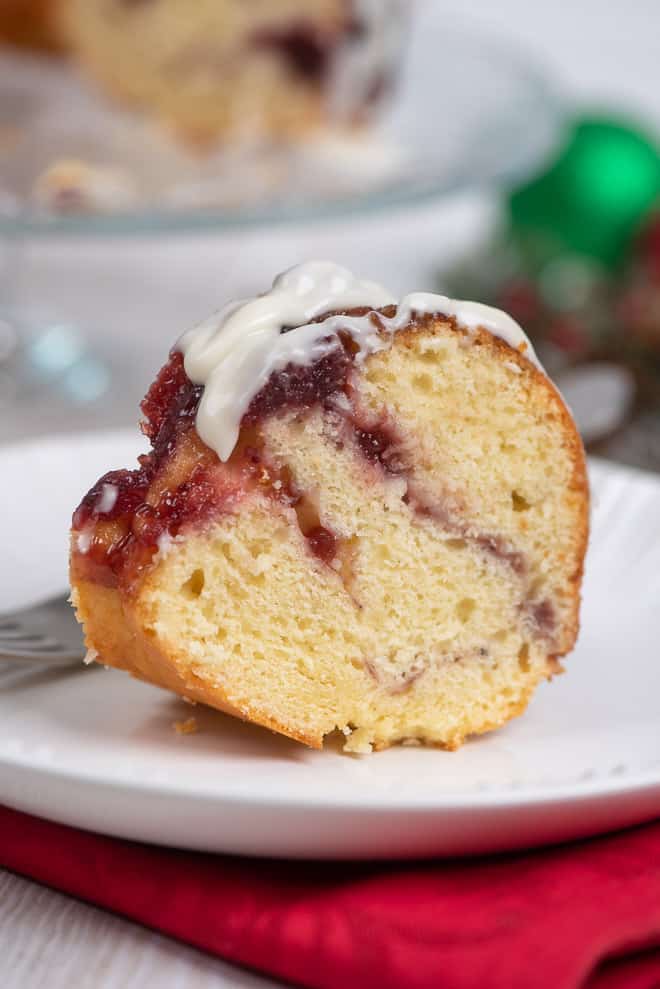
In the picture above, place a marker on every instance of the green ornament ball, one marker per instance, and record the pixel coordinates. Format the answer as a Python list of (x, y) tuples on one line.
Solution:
[(593, 197)]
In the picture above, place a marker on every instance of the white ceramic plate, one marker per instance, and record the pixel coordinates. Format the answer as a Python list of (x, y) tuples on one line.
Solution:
[(97, 750)]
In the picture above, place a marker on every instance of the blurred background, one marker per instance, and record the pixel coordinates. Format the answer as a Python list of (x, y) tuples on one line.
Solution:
[(159, 157)]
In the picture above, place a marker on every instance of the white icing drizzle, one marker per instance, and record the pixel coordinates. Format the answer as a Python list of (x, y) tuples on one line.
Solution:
[(84, 539), (234, 352), (107, 499)]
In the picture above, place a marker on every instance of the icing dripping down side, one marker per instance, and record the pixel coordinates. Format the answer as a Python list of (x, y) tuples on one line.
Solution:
[(234, 352)]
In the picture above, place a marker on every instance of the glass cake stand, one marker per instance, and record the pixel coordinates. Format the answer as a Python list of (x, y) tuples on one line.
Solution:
[(468, 112)]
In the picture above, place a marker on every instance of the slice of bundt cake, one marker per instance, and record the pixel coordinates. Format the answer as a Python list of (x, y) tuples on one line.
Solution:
[(356, 515), (230, 69)]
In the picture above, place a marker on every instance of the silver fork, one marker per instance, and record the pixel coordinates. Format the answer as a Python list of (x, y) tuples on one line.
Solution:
[(47, 634)]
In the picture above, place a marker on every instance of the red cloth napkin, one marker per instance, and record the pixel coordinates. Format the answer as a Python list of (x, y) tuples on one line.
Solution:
[(551, 919)]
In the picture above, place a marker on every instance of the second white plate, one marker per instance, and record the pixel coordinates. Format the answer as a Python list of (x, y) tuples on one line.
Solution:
[(98, 750)]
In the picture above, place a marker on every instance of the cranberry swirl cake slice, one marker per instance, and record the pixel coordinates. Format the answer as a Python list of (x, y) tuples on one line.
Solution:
[(357, 515)]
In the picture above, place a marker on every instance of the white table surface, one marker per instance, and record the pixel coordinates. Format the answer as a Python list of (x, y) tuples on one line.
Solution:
[(604, 55)]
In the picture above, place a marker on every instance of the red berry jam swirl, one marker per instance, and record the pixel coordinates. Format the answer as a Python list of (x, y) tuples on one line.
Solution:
[(304, 49), (128, 514)]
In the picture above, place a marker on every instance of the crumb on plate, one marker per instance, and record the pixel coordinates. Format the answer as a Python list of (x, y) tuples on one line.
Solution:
[(187, 727)]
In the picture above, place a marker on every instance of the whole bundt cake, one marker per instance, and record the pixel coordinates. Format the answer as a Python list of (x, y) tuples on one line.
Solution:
[(357, 515), (217, 69)]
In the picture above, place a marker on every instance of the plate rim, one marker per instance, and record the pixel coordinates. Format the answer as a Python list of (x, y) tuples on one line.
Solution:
[(511, 796)]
